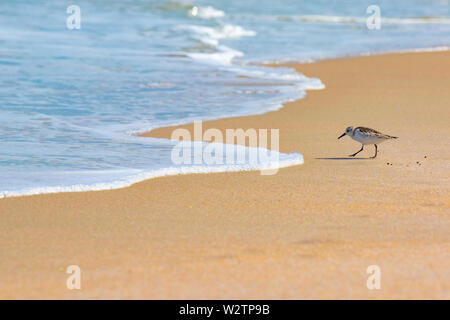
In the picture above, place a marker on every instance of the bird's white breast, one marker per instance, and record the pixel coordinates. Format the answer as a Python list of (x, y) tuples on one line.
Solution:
[(366, 138)]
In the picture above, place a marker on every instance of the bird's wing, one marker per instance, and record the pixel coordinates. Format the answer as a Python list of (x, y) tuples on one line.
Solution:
[(367, 130), (374, 132)]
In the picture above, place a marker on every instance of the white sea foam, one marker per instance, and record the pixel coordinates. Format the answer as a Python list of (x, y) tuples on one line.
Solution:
[(135, 176), (281, 74), (432, 49), (225, 31), (367, 53), (207, 12), (211, 36)]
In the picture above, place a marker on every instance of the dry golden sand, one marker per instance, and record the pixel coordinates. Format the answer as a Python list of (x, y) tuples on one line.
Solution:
[(309, 231)]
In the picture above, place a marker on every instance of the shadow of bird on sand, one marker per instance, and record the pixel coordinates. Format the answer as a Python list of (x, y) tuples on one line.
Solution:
[(346, 158)]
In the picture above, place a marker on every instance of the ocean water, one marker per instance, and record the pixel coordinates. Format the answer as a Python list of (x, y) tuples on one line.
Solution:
[(73, 101)]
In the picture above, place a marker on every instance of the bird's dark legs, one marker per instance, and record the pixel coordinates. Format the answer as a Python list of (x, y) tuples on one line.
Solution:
[(352, 155), (376, 151)]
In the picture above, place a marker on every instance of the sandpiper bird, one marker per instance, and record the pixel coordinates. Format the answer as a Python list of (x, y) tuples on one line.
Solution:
[(366, 136)]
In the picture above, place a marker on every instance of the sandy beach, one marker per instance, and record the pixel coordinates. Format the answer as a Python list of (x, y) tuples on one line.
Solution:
[(309, 231)]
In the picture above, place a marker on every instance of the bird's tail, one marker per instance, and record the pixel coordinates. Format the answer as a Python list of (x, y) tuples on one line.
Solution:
[(392, 137)]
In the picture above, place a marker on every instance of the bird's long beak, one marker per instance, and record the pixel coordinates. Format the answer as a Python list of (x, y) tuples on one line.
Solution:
[(341, 135)]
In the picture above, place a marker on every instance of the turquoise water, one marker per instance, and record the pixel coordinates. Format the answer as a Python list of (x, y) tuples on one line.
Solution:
[(72, 101)]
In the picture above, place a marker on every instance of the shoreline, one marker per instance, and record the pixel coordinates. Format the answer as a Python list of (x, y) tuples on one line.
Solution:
[(145, 175), (309, 231), (148, 175)]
